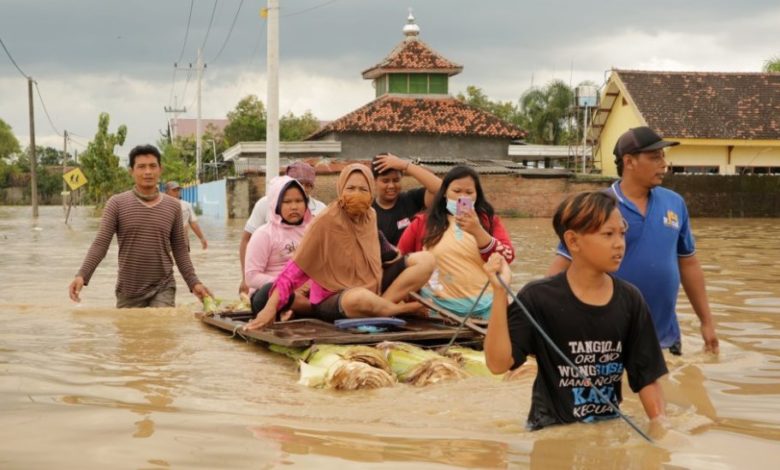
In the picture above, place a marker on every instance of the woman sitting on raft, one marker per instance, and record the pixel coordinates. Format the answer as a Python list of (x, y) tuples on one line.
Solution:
[(273, 244), (342, 254), (461, 240)]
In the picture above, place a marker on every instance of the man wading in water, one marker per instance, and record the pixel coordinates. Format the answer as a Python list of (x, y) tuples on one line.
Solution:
[(148, 226)]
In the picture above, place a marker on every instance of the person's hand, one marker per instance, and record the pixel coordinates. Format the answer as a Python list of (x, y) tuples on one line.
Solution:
[(711, 343), (75, 288), (389, 162), (495, 266), (469, 223), (243, 288), (204, 243), (265, 317), (201, 291)]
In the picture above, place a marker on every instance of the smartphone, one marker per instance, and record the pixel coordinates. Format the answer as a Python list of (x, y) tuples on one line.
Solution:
[(465, 205)]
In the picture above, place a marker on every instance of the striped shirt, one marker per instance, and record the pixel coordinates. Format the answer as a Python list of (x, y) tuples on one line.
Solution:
[(146, 236)]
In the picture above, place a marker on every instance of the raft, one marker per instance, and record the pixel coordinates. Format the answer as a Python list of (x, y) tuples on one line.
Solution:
[(305, 332)]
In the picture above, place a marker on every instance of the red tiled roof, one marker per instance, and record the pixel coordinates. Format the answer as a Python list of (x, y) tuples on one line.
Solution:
[(431, 116), (713, 105), (413, 55)]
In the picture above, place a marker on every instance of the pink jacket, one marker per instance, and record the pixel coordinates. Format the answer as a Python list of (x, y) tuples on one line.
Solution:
[(273, 244)]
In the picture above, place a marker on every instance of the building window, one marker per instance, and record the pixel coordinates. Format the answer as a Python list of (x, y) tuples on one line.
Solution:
[(758, 170), (695, 170), (399, 83), (381, 85), (418, 83), (438, 83)]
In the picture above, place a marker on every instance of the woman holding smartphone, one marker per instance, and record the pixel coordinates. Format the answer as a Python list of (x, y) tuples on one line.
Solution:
[(461, 230)]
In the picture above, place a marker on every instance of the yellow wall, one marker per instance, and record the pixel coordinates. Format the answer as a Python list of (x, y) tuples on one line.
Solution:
[(620, 119), (691, 152)]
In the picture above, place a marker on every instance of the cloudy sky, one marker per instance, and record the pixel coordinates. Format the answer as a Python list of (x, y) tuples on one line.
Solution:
[(90, 56)]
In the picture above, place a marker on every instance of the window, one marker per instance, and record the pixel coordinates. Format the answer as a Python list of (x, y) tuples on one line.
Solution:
[(695, 170), (438, 83), (418, 83), (399, 83), (758, 170)]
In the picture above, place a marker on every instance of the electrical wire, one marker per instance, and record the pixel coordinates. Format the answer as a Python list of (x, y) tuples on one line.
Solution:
[(12, 59), (45, 111), (208, 30), (186, 33), (306, 10), (235, 17)]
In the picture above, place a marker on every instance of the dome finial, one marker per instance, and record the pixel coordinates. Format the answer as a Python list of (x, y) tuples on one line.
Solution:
[(411, 30)]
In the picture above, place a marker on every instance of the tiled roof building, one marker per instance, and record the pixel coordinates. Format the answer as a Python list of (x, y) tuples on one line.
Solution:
[(413, 114), (726, 122)]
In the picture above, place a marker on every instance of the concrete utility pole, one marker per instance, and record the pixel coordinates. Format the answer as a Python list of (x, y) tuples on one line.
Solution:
[(175, 110), (272, 124), (33, 158), (198, 128)]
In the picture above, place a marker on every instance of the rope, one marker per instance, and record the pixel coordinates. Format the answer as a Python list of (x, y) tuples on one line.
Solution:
[(463, 322)]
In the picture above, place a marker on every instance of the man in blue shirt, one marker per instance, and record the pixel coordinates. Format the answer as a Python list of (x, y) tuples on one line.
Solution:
[(660, 250)]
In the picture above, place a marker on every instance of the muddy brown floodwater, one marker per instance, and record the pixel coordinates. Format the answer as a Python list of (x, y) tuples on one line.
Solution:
[(89, 386)]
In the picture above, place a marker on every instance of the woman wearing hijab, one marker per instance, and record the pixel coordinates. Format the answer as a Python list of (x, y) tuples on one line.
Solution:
[(342, 253)]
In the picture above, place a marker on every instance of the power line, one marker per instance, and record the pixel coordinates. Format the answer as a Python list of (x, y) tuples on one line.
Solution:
[(186, 33), (306, 10), (45, 111), (12, 59), (235, 17), (208, 30)]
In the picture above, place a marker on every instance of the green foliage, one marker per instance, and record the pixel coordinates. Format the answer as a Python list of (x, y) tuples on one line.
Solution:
[(101, 166), (9, 145), (178, 160), (247, 121), (297, 128), (547, 113), (506, 110), (772, 65), (48, 155)]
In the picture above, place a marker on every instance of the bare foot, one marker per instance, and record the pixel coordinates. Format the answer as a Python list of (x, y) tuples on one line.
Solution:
[(412, 308), (286, 316)]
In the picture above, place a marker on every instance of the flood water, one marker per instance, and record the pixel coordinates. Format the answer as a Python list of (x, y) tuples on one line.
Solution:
[(88, 386)]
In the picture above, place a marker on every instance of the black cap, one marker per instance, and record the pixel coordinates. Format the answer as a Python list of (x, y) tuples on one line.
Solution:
[(640, 139)]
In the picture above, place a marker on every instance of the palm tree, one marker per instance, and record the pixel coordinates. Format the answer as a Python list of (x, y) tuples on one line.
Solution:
[(546, 112)]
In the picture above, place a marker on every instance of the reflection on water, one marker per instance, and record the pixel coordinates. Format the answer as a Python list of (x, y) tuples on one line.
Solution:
[(94, 387)]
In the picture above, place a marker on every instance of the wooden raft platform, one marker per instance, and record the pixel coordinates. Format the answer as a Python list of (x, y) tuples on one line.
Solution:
[(307, 331)]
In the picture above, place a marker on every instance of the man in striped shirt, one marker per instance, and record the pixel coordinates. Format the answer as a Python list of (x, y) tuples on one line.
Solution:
[(149, 227)]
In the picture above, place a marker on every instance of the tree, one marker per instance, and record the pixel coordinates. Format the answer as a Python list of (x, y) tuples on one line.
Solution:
[(48, 155), (9, 146), (297, 128), (247, 121), (546, 113), (101, 166), (506, 110), (176, 166), (772, 65)]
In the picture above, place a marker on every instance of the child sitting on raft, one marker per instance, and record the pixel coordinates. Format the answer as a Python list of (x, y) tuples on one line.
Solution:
[(600, 322), (342, 254), (274, 243), (461, 240)]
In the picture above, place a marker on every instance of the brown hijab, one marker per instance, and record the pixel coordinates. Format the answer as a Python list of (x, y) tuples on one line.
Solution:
[(338, 252)]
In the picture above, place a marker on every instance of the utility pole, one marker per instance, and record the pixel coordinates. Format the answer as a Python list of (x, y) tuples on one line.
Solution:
[(64, 193), (272, 124), (175, 110), (198, 129), (33, 158)]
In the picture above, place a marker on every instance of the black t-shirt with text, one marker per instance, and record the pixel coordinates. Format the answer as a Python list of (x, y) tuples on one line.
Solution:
[(602, 341), (393, 221)]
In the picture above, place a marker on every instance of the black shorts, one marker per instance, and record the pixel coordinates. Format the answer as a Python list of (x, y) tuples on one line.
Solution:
[(330, 309), (260, 298)]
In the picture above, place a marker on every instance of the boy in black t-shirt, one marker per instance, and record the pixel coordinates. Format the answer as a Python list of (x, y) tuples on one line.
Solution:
[(601, 323), (394, 208)]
